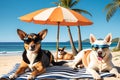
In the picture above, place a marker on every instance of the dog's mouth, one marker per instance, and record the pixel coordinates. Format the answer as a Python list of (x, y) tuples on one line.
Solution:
[(100, 58)]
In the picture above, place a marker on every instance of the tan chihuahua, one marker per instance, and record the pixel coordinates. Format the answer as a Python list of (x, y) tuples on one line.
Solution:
[(63, 55)]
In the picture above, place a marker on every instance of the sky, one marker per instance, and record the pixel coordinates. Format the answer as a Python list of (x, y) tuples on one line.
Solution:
[(11, 10)]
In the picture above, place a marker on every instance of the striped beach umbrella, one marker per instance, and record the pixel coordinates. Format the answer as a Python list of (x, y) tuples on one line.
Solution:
[(56, 16)]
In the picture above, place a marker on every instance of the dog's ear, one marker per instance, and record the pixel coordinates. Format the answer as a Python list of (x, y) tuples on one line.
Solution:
[(63, 48), (42, 34), (92, 38), (21, 34), (108, 38)]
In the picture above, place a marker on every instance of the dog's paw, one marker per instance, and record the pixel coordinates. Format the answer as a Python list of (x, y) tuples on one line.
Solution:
[(74, 67), (13, 76), (97, 77), (71, 65), (30, 77), (80, 66), (118, 75)]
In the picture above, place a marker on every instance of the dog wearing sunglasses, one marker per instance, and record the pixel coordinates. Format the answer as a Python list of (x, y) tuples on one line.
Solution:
[(33, 56), (97, 59), (63, 55)]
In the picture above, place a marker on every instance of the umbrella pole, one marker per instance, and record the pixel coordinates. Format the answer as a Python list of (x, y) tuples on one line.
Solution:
[(57, 45)]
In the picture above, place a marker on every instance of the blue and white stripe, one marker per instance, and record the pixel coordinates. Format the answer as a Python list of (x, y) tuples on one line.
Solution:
[(58, 72)]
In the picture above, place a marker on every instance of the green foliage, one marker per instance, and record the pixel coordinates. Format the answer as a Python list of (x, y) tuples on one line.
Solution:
[(70, 4), (111, 8)]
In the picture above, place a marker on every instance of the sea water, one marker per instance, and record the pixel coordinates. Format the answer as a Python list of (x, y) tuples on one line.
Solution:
[(16, 48)]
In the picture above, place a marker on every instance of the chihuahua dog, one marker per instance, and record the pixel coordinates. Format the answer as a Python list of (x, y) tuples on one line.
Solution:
[(97, 59), (33, 56), (63, 55)]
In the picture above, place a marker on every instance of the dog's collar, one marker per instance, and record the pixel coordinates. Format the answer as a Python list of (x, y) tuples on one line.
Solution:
[(99, 46)]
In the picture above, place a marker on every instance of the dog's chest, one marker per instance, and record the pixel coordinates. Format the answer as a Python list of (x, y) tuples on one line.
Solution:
[(31, 57), (59, 55)]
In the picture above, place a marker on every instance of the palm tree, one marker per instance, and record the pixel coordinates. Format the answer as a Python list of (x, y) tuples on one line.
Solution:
[(70, 4), (111, 10)]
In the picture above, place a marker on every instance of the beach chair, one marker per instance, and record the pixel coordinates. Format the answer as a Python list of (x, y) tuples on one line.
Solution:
[(56, 72)]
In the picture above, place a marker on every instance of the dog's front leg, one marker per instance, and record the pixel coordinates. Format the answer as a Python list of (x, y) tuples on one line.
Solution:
[(37, 70), (115, 71), (94, 73), (23, 66)]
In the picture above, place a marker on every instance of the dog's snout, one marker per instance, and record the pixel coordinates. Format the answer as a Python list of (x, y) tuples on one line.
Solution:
[(32, 47), (99, 52)]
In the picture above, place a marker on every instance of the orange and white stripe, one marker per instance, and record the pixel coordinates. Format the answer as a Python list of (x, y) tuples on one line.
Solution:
[(56, 15)]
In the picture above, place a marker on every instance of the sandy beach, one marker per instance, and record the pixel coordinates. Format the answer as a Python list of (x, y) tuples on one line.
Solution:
[(7, 63)]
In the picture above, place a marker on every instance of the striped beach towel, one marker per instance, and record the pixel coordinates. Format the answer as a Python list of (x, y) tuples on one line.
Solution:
[(57, 72)]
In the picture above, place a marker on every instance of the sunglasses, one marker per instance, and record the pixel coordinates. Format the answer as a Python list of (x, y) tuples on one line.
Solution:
[(28, 40), (99, 46)]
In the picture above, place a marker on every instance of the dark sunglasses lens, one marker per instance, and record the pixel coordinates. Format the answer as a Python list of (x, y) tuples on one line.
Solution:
[(27, 40), (95, 46), (104, 47), (36, 40)]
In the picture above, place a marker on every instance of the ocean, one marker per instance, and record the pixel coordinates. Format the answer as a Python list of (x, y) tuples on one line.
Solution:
[(16, 48)]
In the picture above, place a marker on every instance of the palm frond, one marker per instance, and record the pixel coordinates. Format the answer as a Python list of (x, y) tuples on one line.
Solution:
[(64, 3), (111, 8), (108, 6), (70, 4), (74, 3), (82, 11), (111, 12)]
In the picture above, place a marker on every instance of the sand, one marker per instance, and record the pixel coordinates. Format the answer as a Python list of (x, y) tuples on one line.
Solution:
[(7, 63)]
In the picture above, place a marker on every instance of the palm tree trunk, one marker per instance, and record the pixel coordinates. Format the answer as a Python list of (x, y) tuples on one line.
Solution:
[(79, 40), (71, 42), (118, 45)]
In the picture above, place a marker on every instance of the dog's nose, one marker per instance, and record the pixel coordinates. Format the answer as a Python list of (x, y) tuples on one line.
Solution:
[(32, 47), (99, 52)]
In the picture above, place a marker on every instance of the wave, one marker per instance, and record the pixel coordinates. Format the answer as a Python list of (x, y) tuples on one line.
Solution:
[(4, 53)]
